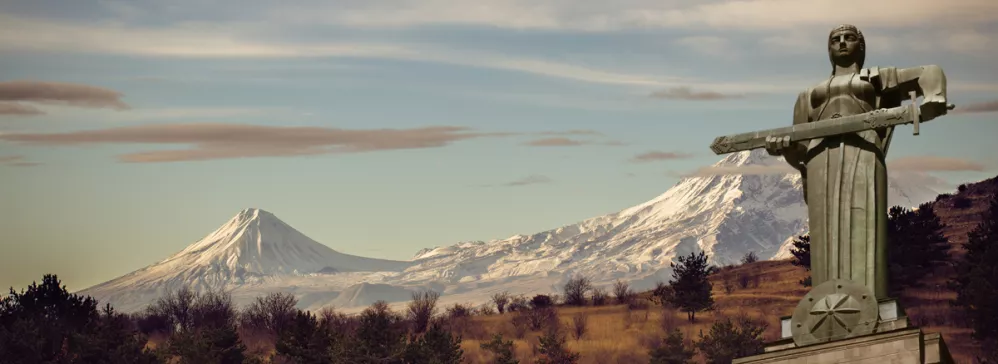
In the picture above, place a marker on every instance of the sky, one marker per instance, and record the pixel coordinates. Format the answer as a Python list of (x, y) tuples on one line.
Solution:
[(131, 129)]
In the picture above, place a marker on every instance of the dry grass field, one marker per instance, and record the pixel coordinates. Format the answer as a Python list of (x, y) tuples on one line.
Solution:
[(616, 334)]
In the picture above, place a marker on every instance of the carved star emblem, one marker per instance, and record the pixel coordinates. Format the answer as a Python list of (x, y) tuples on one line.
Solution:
[(838, 310)]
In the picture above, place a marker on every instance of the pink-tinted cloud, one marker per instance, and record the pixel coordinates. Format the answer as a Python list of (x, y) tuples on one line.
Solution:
[(571, 132), (16, 108), (934, 164), (567, 142), (529, 180), (225, 141), (555, 142), (16, 161), (686, 93), (658, 156), (980, 107), (61, 93)]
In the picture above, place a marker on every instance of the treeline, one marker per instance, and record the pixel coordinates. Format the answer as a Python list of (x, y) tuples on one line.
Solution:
[(46, 324)]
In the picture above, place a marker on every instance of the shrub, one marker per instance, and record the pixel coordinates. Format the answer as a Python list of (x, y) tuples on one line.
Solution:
[(579, 325), (501, 299), (672, 350), (541, 301), (750, 258), (517, 303)]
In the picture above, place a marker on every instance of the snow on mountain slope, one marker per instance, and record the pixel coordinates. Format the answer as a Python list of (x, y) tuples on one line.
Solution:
[(746, 202), (252, 248)]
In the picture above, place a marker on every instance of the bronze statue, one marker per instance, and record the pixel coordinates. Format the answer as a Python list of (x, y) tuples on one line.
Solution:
[(842, 129), (845, 176)]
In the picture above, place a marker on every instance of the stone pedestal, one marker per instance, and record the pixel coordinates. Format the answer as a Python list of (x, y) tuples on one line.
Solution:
[(905, 346), (892, 342)]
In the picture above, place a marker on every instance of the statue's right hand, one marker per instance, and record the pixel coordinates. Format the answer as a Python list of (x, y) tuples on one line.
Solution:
[(776, 145)]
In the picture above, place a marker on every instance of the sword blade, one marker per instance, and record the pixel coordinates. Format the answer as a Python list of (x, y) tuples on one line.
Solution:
[(872, 120)]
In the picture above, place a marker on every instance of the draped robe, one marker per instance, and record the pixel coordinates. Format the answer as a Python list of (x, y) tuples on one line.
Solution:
[(846, 180)]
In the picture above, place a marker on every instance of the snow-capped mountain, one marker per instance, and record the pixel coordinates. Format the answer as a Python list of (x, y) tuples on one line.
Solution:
[(251, 249), (746, 202)]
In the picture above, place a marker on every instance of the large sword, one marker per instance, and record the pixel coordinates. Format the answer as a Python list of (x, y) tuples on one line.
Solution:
[(876, 119)]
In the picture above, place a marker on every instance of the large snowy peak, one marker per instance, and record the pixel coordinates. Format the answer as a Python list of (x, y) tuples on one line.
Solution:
[(747, 202)]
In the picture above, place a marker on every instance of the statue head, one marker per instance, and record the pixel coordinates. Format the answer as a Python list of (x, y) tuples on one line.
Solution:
[(846, 46)]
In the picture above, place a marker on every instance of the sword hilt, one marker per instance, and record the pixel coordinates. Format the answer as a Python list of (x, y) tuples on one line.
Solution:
[(914, 110)]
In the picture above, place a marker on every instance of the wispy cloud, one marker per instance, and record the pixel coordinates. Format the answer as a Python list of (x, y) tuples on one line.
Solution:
[(225, 141), (60, 93), (568, 142), (980, 107), (934, 164), (16, 108), (659, 156), (571, 132), (17, 161), (529, 180), (221, 40), (555, 142), (686, 93), (596, 16)]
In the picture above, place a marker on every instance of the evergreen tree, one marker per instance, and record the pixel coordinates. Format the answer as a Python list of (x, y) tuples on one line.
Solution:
[(502, 350), (553, 351), (380, 336), (47, 324), (436, 346), (673, 350), (916, 246), (976, 281), (690, 288), (731, 339), (304, 341), (802, 256)]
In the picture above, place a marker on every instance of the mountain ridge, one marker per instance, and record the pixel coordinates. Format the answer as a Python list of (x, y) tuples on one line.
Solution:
[(745, 202)]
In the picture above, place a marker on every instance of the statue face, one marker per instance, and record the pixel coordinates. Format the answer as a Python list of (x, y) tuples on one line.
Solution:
[(844, 45)]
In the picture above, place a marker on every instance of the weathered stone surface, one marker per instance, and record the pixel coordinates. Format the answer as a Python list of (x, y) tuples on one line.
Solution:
[(908, 346)]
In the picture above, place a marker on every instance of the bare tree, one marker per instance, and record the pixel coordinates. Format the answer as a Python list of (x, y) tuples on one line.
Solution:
[(750, 258), (214, 310), (176, 308), (575, 290), (501, 299), (270, 314), (422, 308), (622, 292), (600, 297)]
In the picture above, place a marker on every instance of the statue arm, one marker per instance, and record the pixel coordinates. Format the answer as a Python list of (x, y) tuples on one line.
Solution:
[(926, 81)]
